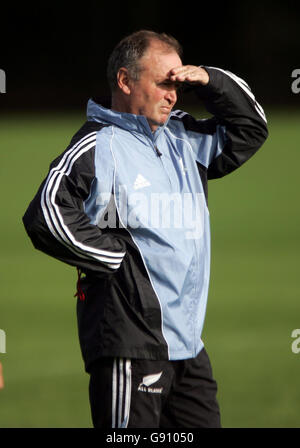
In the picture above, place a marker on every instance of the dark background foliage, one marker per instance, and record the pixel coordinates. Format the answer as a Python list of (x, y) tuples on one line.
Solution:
[(55, 53)]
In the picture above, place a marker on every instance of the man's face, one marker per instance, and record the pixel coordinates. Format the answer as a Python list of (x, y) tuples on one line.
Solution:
[(154, 94)]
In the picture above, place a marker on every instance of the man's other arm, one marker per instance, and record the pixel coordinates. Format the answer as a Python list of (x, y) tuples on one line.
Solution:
[(56, 221)]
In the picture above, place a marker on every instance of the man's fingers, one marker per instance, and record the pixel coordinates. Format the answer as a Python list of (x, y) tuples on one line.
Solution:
[(180, 73), (183, 69), (189, 73)]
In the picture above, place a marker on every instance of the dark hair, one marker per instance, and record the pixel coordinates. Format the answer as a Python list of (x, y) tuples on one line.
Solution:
[(129, 51)]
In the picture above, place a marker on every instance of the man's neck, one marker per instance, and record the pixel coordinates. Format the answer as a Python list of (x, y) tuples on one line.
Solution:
[(120, 106)]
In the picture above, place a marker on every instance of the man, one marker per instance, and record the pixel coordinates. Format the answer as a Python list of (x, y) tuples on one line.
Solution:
[(126, 204)]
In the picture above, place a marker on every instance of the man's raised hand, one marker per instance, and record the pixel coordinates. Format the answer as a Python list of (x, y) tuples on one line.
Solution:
[(190, 74)]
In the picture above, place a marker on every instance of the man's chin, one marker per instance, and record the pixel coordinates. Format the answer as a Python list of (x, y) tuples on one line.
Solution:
[(159, 122)]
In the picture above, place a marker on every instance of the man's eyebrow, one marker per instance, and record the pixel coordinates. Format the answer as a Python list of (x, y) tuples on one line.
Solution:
[(165, 80)]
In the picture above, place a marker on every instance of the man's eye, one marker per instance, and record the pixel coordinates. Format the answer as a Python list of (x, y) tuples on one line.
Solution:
[(171, 85)]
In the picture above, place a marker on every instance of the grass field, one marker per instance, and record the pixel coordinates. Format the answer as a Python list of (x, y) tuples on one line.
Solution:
[(253, 300)]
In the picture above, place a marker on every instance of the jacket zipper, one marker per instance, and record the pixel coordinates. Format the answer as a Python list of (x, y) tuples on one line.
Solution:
[(159, 154)]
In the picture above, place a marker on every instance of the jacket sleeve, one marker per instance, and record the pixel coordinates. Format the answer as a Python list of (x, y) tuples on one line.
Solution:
[(237, 129), (56, 220), (229, 99)]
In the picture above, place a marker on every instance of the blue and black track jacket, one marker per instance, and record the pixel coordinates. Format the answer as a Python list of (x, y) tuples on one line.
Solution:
[(128, 208)]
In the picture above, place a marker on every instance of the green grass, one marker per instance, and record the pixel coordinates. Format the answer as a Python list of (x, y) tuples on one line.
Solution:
[(253, 300), (254, 295)]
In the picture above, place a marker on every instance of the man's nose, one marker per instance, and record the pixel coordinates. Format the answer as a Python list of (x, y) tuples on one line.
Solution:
[(171, 96)]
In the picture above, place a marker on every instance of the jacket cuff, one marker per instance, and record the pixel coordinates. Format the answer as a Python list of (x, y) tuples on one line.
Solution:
[(213, 88)]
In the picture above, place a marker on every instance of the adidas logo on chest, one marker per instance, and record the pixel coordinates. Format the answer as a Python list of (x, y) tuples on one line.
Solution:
[(140, 182)]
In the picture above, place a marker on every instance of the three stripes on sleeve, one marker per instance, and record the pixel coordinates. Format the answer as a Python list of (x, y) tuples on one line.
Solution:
[(52, 212)]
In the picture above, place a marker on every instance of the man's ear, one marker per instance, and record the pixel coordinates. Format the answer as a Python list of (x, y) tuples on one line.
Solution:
[(123, 80)]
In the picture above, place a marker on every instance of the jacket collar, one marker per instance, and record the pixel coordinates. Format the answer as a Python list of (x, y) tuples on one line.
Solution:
[(130, 122)]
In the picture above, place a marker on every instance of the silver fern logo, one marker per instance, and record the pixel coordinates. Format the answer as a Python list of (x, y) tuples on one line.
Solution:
[(147, 381)]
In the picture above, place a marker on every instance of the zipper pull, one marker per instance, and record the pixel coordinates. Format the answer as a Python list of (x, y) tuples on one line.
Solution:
[(159, 154)]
